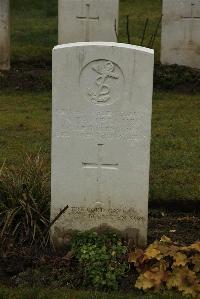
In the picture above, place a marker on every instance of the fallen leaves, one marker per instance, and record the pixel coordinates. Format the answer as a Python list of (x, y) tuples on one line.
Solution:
[(180, 259), (165, 264)]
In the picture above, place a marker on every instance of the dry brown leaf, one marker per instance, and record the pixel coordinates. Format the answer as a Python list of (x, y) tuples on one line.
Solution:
[(188, 290), (184, 280), (153, 252), (151, 279), (157, 269), (143, 283), (195, 246), (195, 259), (156, 275), (164, 265), (180, 259)]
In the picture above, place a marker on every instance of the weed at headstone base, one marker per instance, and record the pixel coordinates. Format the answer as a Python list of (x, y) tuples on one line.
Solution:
[(103, 258)]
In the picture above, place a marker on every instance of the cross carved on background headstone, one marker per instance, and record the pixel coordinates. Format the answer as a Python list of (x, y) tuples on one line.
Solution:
[(87, 18), (191, 18)]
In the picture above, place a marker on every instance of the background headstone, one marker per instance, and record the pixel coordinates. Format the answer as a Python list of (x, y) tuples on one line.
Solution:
[(4, 35), (102, 102), (87, 20), (180, 41)]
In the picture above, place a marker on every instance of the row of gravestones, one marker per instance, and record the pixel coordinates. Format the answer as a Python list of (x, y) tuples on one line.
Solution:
[(97, 20)]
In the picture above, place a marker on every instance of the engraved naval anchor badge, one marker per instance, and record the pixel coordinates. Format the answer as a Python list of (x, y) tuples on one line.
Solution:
[(102, 93)]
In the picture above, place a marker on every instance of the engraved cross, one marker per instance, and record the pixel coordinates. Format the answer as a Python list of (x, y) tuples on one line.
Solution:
[(99, 165), (87, 20), (191, 18)]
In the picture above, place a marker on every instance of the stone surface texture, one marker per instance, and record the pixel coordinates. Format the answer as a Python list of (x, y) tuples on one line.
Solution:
[(102, 104), (87, 20), (4, 35), (180, 42)]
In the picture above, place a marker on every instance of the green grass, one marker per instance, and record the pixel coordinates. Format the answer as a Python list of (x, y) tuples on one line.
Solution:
[(25, 125), (25, 122), (138, 11), (26, 293), (33, 29), (34, 26), (175, 147)]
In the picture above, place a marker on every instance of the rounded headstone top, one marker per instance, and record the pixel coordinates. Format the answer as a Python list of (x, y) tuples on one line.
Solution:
[(105, 44)]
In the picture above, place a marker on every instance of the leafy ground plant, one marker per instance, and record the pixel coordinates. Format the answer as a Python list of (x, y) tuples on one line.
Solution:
[(24, 202), (103, 258), (165, 264)]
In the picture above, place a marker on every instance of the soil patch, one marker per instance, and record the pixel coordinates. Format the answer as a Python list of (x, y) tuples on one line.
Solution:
[(36, 76), (180, 227), (27, 76), (176, 78)]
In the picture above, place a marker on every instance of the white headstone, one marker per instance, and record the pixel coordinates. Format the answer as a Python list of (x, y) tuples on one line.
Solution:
[(102, 102), (180, 42), (87, 20), (4, 35)]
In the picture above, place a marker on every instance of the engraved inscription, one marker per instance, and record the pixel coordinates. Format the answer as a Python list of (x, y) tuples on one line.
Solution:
[(104, 214), (102, 82), (105, 125)]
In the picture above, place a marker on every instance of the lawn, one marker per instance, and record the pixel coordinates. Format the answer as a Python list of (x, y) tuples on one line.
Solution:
[(34, 26), (34, 293), (25, 122)]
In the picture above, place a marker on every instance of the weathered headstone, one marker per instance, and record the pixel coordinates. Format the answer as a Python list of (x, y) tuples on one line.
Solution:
[(180, 42), (4, 35), (87, 20), (102, 101)]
